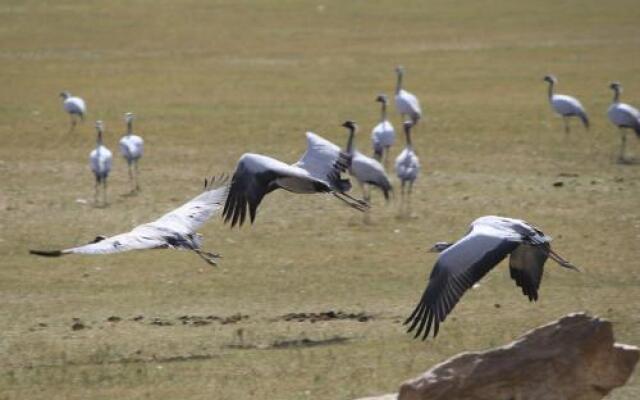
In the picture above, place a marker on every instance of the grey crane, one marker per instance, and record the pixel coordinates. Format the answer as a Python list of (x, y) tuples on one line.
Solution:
[(565, 106), (461, 264), (624, 116), (318, 171), (174, 230)]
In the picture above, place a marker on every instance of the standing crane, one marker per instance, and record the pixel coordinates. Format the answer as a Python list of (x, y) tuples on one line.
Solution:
[(407, 103), (461, 264), (407, 168), (100, 163), (383, 135), (624, 117), (132, 147), (174, 230), (75, 106), (566, 106), (366, 170)]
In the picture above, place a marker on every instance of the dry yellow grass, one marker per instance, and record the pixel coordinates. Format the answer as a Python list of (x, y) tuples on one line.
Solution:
[(211, 80)]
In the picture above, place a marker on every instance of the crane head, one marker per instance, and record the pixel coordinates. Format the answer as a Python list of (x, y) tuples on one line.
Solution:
[(382, 98), (399, 69), (351, 125), (99, 126), (440, 247), (65, 95), (615, 85), (129, 116), (407, 125), (550, 79)]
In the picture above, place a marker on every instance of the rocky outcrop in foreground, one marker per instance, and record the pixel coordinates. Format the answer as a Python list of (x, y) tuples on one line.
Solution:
[(574, 358)]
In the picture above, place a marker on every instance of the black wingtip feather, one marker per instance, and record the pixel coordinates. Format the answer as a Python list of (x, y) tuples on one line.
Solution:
[(431, 320)]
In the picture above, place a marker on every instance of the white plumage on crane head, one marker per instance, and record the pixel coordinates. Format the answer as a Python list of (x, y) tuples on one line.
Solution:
[(129, 116)]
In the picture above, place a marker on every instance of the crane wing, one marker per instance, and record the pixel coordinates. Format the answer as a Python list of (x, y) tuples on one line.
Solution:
[(138, 239), (321, 157), (184, 220), (189, 217), (408, 103), (457, 269), (74, 105), (325, 161), (255, 176), (526, 266), (369, 170)]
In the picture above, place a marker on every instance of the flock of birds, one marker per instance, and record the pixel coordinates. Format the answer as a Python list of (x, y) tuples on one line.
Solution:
[(101, 158), (322, 169)]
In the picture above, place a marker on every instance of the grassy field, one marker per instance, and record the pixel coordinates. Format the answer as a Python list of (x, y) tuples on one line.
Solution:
[(210, 80)]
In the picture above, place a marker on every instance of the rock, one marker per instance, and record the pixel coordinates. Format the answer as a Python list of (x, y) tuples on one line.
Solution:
[(574, 358)]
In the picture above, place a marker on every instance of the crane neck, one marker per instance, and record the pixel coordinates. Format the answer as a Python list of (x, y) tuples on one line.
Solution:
[(616, 95), (352, 134), (399, 82), (550, 90), (383, 112), (407, 133), (129, 127), (99, 139)]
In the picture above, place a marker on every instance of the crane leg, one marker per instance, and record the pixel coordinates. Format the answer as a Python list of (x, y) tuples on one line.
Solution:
[(409, 198), (366, 195), (385, 157), (131, 175), (104, 192), (135, 166), (73, 123), (95, 194), (566, 125), (402, 196), (210, 258), (359, 205), (623, 145)]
